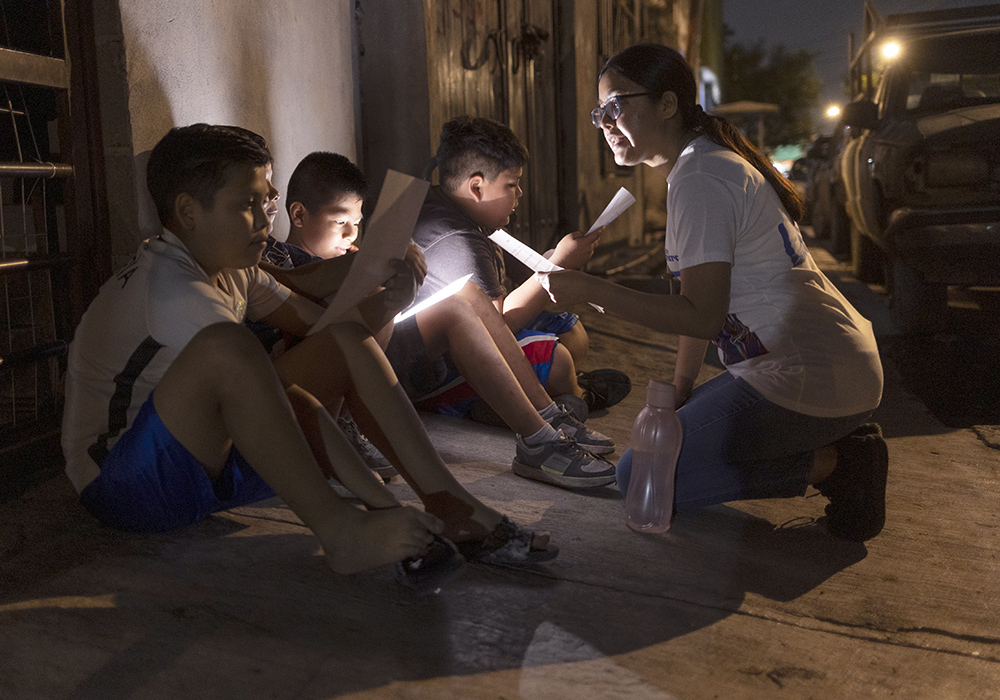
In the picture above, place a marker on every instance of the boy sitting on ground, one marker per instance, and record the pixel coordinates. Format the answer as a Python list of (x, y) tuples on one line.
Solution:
[(460, 337), (174, 410), (480, 162)]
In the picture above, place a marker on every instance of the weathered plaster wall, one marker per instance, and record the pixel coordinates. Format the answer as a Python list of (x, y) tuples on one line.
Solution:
[(281, 69)]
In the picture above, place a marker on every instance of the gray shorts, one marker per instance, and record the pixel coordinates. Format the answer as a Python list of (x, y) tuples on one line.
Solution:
[(418, 374)]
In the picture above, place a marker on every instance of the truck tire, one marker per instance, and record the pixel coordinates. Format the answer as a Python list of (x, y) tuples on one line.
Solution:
[(867, 260), (840, 228), (821, 213), (917, 307)]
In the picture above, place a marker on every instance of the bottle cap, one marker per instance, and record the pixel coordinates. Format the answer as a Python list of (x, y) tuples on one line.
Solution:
[(660, 394)]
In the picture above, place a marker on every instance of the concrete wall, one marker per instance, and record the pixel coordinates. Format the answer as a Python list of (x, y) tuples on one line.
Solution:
[(284, 70)]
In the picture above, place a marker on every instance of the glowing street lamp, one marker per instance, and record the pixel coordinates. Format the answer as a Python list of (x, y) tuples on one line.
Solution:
[(891, 50), (833, 111)]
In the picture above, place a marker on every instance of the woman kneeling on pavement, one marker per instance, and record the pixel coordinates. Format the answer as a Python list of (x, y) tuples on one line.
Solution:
[(803, 371)]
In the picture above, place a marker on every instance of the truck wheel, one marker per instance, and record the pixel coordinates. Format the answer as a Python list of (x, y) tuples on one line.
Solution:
[(840, 228), (918, 307), (821, 214), (867, 260)]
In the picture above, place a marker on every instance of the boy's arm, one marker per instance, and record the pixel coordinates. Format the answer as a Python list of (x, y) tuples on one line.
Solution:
[(317, 280), (522, 306), (297, 314)]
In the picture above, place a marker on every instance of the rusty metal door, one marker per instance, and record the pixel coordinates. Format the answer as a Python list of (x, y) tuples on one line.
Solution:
[(497, 59)]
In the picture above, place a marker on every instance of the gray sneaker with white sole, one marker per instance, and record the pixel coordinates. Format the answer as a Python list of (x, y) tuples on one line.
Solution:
[(562, 462), (590, 440)]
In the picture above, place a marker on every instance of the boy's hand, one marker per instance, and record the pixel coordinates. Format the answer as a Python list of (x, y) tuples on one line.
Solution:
[(575, 249), (415, 259), (401, 288)]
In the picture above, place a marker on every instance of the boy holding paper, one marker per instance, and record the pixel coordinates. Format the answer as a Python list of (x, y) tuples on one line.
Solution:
[(174, 411), (480, 162), (445, 353)]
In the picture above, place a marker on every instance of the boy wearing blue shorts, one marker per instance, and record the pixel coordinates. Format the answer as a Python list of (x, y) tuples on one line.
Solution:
[(174, 410), (446, 354), (480, 162)]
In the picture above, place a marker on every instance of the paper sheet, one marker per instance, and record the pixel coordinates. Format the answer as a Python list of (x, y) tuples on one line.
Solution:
[(519, 250), (538, 263), (622, 200), (386, 237), (434, 298)]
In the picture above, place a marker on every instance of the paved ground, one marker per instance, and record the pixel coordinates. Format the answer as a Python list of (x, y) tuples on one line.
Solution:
[(748, 600)]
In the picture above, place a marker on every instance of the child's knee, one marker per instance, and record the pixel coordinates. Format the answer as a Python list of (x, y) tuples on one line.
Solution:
[(224, 345), (456, 309), (576, 341)]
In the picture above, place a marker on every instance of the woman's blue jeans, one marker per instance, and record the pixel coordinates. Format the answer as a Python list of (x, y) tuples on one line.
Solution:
[(739, 446)]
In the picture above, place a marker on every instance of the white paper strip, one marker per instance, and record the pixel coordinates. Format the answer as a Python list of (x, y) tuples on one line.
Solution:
[(434, 298), (622, 200), (386, 237), (533, 260), (522, 252)]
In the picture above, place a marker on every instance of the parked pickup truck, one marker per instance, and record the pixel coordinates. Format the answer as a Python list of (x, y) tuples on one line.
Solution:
[(920, 166)]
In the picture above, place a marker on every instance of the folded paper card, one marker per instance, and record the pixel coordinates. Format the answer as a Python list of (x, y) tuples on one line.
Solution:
[(386, 237)]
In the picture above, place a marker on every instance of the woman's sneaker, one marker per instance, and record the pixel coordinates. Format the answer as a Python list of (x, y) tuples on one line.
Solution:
[(856, 488), (590, 440), (562, 462)]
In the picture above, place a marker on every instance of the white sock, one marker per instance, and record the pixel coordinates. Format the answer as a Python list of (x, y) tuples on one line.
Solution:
[(545, 434), (550, 412)]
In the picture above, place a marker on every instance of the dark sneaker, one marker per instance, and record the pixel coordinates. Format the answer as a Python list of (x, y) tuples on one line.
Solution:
[(427, 574), (603, 388), (368, 452), (856, 488), (563, 463), (573, 405), (482, 412), (590, 440)]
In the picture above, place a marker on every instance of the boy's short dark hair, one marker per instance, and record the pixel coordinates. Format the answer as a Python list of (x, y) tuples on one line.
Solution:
[(321, 177), (196, 160), (477, 146)]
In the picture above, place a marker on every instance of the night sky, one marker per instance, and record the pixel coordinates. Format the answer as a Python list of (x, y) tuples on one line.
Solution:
[(821, 26)]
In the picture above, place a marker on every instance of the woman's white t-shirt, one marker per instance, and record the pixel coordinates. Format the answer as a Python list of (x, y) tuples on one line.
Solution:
[(789, 333)]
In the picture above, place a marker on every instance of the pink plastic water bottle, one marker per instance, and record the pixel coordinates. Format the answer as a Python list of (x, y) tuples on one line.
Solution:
[(656, 442)]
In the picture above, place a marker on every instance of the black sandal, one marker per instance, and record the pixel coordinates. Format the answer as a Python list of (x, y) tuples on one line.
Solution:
[(509, 544), (427, 574)]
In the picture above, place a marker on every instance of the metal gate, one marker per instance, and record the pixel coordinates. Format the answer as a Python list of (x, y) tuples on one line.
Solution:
[(45, 195)]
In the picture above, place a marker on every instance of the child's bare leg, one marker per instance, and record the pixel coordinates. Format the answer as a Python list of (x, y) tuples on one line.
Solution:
[(334, 453), (577, 342), (453, 325), (507, 345), (222, 390), (375, 398), (562, 374)]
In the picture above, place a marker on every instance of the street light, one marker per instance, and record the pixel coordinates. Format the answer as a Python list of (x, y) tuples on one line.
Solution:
[(891, 50), (833, 111)]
